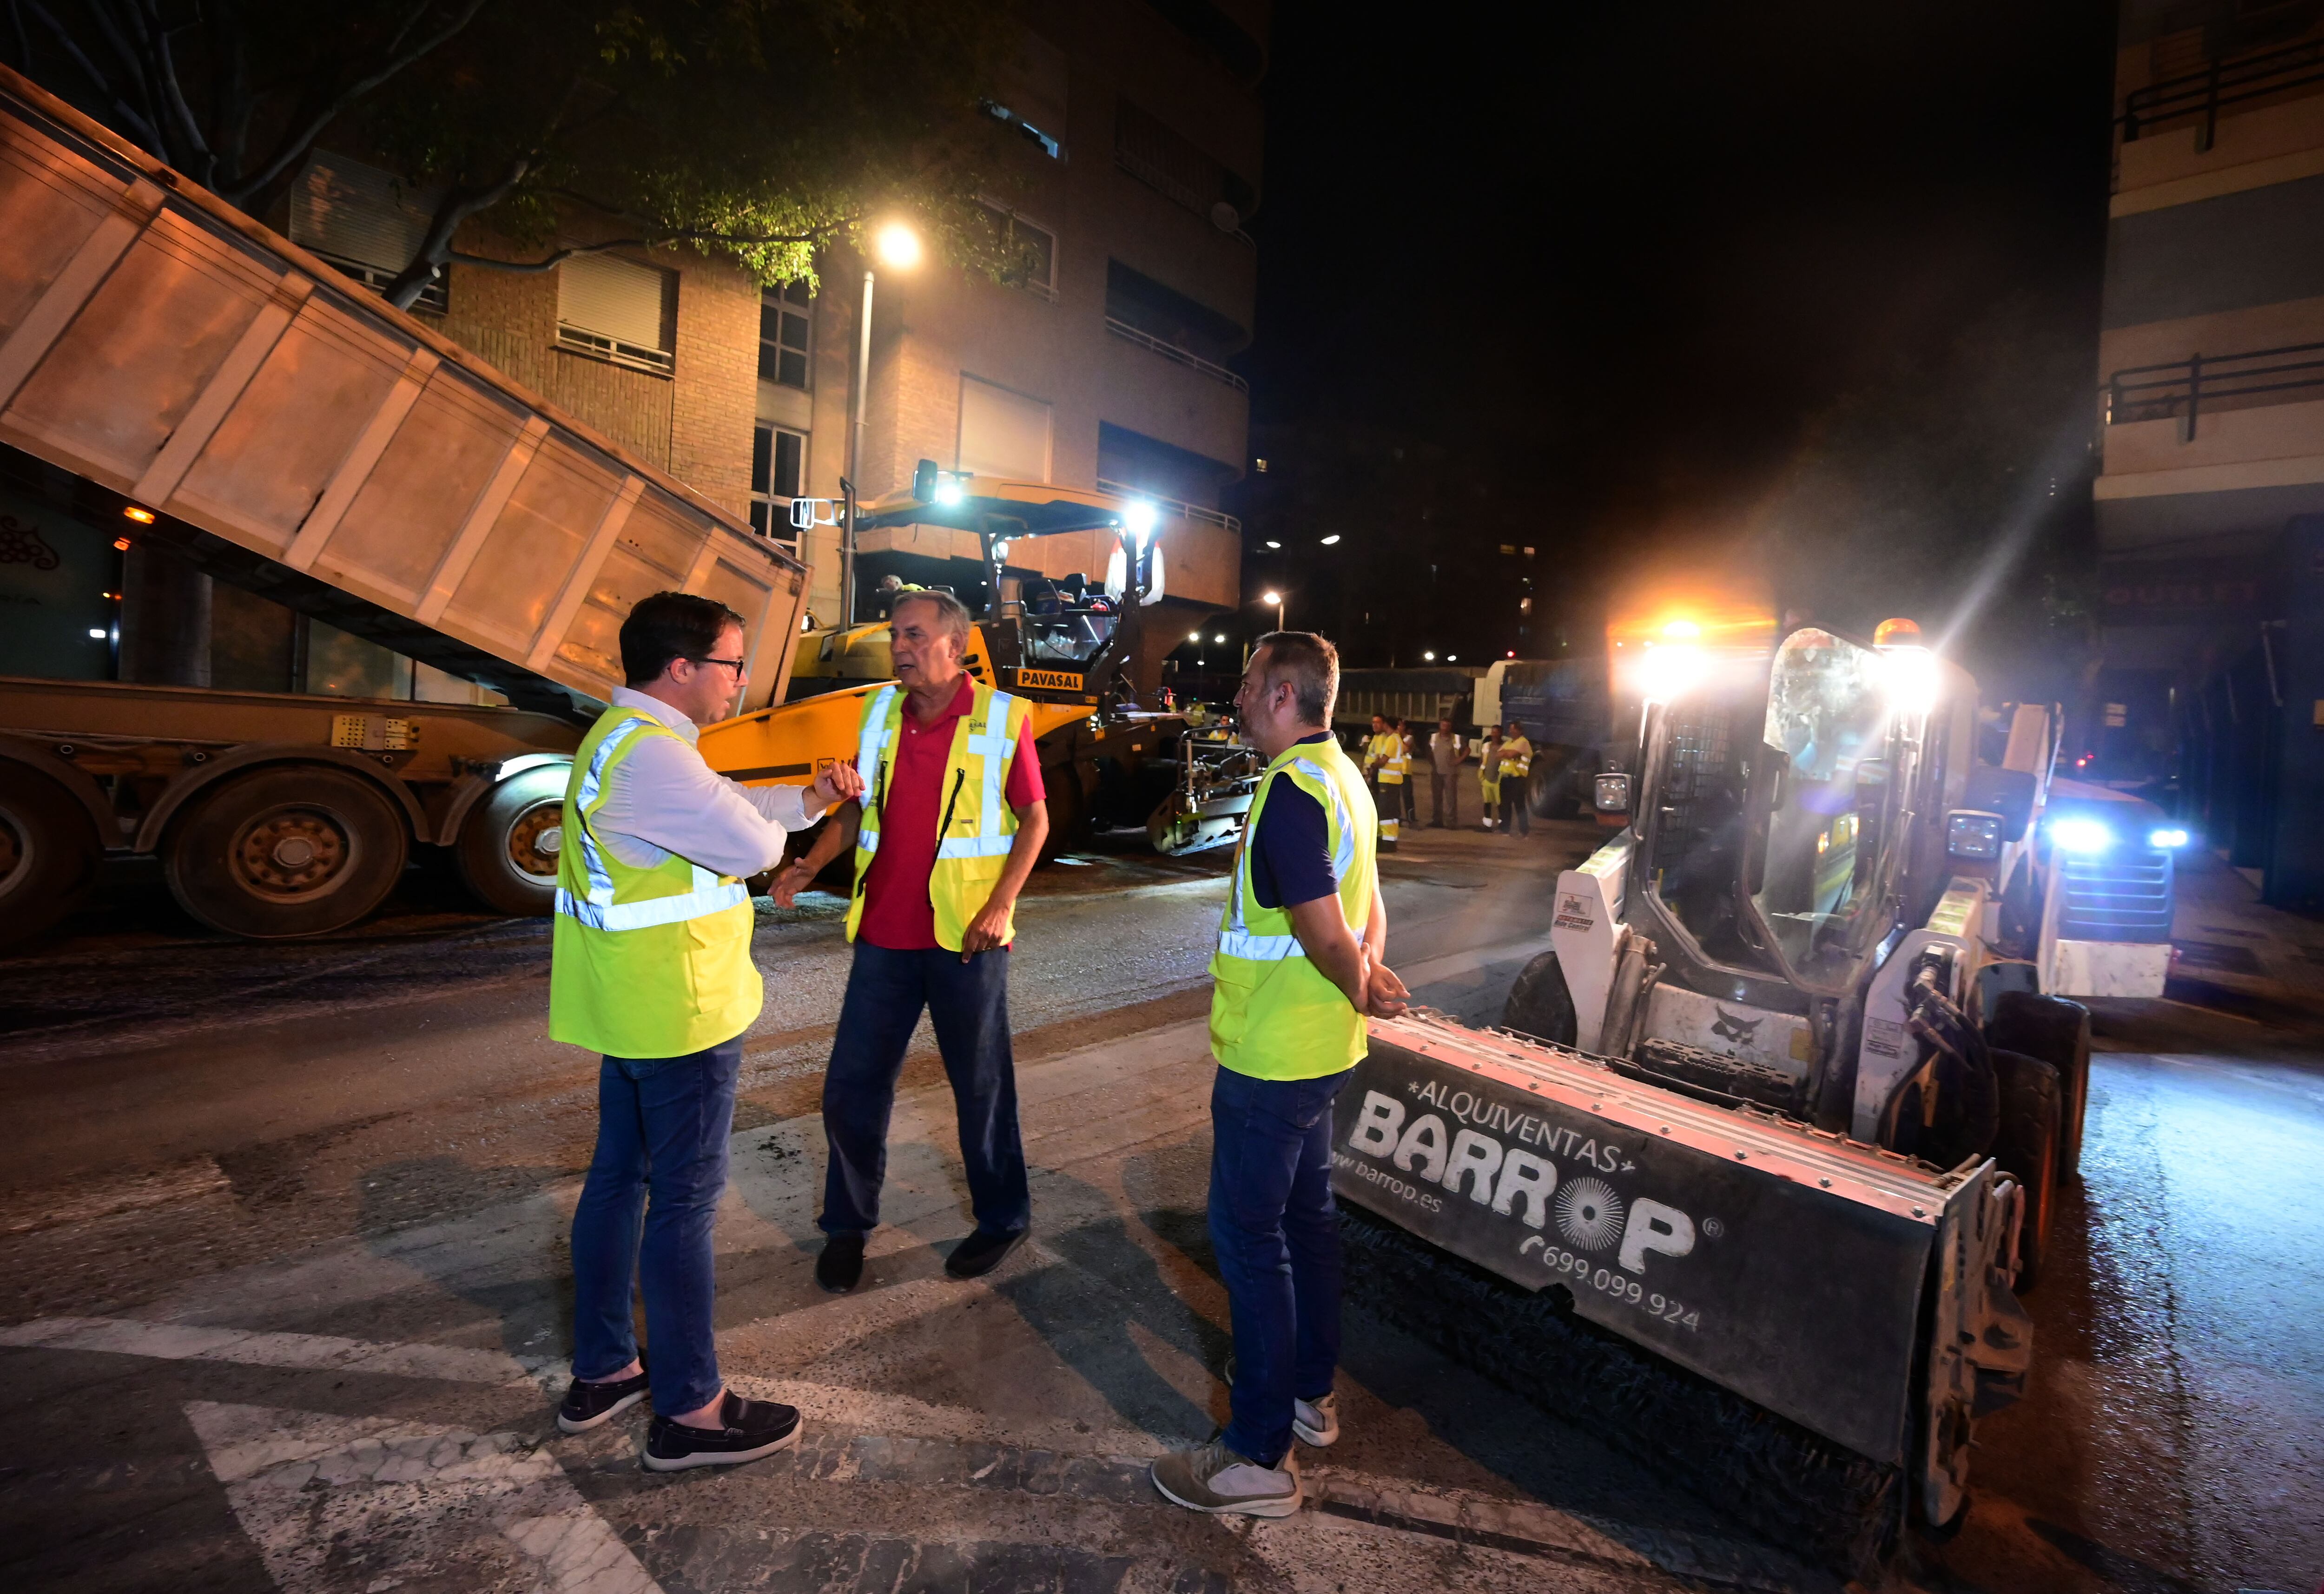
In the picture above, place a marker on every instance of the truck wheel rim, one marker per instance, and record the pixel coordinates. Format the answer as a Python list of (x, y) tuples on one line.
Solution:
[(535, 840), (291, 854)]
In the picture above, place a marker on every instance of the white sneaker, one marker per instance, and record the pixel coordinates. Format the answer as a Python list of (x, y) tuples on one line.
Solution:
[(1212, 1479), (1316, 1422)]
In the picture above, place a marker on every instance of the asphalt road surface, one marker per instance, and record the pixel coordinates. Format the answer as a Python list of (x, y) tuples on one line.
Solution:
[(283, 1290)]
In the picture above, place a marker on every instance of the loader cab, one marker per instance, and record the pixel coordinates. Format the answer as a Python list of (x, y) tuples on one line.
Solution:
[(1774, 813)]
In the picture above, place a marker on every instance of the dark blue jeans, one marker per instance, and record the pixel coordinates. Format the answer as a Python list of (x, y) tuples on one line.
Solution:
[(1277, 1233), (968, 1004), (662, 1124)]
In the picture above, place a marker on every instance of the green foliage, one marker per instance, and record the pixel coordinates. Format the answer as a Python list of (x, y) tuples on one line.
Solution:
[(760, 130)]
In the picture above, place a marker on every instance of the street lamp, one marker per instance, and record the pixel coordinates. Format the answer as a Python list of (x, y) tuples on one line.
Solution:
[(896, 246), (1275, 598)]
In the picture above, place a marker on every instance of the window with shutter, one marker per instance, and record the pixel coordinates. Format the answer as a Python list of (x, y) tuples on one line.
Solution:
[(615, 309), (365, 222), (1002, 433)]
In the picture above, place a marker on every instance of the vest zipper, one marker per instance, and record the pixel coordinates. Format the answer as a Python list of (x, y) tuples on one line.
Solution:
[(959, 778)]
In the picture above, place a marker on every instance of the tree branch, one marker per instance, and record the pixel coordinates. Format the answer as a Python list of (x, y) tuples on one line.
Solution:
[(202, 167), (296, 145), (132, 122), (668, 235)]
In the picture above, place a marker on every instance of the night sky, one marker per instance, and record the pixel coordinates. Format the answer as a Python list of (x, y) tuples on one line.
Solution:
[(1621, 259)]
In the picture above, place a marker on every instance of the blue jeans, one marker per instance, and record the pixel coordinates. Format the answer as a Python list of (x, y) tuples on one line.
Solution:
[(968, 1003), (1277, 1233), (662, 1124)]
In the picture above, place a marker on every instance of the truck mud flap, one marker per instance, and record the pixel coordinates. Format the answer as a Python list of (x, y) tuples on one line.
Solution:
[(1765, 1258)]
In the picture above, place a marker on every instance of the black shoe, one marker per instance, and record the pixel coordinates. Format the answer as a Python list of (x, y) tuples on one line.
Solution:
[(754, 1428), (980, 1253), (588, 1406), (840, 1268)]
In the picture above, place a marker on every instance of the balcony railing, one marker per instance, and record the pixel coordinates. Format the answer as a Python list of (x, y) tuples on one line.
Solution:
[(1171, 351), (2182, 388), (2219, 85), (1193, 511)]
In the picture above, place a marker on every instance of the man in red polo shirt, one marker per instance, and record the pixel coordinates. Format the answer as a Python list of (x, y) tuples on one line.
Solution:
[(944, 758)]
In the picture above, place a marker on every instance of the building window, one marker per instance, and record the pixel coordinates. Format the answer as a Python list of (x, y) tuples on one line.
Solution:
[(366, 223), (778, 475), (1028, 250), (784, 324), (616, 309), (1172, 164), (1002, 433)]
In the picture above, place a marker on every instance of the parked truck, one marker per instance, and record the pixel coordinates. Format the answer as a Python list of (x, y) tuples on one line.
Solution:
[(1776, 1131), (173, 374)]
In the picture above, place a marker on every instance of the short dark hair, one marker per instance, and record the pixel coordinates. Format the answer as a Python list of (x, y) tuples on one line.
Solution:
[(670, 625), (1312, 665)]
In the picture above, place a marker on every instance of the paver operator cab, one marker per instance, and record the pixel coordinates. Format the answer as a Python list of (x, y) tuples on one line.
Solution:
[(1792, 1095)]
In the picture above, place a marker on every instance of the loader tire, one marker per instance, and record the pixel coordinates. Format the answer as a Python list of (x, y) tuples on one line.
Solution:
[(2028, 1149), (1539, 1003), (2057, 1031)]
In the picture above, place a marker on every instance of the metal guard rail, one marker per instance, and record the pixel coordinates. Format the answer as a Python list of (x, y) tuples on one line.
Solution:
[(2187, 382), (1193, 511), (1171, 351), (2224, 82)]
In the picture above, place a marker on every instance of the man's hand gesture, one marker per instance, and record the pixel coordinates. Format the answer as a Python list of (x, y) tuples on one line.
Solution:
[(988, 929), (837, 782)]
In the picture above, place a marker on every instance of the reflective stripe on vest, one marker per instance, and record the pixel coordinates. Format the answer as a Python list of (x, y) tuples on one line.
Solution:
[(1235, 939), (958, 884), (598, 910)]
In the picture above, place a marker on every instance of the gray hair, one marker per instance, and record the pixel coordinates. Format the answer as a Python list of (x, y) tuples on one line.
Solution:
[(1310, 665), (952, 614)]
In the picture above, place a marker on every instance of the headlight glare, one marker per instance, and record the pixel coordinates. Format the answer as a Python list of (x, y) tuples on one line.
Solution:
[(2082, 836)]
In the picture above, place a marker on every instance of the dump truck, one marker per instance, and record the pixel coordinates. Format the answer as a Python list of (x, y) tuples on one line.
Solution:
[(1069, 646), (1775, 1133), (174, 373)]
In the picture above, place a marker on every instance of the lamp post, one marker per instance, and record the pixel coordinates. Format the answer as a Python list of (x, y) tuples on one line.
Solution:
[(897, 247), (1275, 598)]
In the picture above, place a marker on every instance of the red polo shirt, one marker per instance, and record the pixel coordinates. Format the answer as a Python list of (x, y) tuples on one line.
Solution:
[(896, 912)]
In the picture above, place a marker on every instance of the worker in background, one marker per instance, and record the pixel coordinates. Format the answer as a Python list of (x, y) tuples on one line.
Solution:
[(1384, 764), (1489, 772), (1299, 964), (1446, 750), (651, 968), (950, 823), (1410, 755), (1517, 766)]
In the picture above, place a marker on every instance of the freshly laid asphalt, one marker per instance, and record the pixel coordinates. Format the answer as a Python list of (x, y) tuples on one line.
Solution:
[(283, 1289)]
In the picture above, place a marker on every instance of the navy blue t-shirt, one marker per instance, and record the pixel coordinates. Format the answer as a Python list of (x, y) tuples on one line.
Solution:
[(1291, 849)]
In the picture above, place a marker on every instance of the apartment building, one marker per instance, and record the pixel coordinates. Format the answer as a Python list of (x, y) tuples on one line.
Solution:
[(2211, 499), (1102, 367), (1137, 162)]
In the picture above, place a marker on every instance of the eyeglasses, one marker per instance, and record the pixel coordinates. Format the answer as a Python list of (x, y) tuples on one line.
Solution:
[(736, 665)]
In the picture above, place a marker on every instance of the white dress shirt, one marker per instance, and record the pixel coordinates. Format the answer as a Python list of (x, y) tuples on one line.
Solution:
[(662, 798)]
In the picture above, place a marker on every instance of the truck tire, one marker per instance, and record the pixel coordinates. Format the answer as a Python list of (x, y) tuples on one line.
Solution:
[(2028, 1149), (2057, 1031), (286, 850), (509, 844), (49, 853), (1540, 1005), (1068, 809)]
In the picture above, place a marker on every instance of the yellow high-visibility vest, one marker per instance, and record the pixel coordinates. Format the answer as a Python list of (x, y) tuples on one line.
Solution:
[(976, 827), (1273, 1013), (1516, 756), (1385, 751), (644, 962)]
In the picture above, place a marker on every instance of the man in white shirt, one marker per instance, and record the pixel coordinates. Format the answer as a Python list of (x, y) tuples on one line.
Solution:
[(652, 969), (1446, 749)]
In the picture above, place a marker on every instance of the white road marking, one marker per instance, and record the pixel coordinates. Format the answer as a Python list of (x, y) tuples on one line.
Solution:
[(334, 1503), (179, 1342)]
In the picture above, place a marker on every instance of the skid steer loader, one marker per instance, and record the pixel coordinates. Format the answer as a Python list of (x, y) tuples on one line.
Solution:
[(1774, 1136)]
